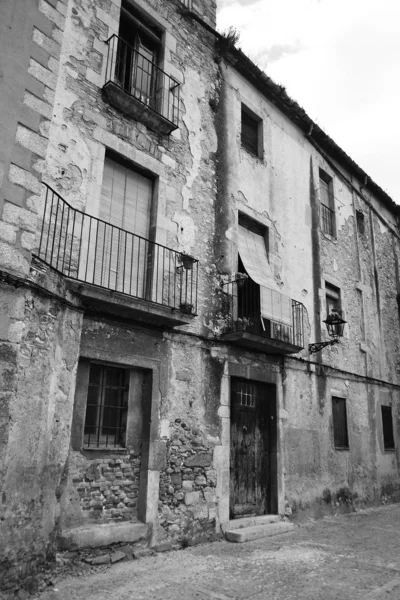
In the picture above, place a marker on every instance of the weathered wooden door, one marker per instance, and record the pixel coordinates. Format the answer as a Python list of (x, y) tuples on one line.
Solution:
[(253, 448)]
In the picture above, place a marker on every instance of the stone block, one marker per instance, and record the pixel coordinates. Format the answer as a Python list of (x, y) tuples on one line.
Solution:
[(52, 14), (24, 179), (104, 559), (96, 536), (163, 547), (192, 498), (13, 259), (187, 486), (117, 556), (198, 460), (20, 217), (42, 74), (31, 140), (45, 42), (8, 232)]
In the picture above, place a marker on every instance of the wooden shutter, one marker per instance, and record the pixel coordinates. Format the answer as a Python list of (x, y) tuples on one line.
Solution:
[(120, 257), (249, 133)]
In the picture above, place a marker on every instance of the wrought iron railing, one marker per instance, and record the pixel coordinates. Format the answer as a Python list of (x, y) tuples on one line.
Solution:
[(328, 220), (142, 79), (90, 250), (244, 313)]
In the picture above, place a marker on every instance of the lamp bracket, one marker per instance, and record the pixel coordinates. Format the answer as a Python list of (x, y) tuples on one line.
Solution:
[(318, 346)]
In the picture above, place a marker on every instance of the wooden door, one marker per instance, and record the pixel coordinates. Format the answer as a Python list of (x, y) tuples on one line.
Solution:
[(253, 448)]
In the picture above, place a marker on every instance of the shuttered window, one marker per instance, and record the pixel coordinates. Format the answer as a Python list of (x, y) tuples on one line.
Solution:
[(339, 418), (121, 258), (250, 133), (387, 426)]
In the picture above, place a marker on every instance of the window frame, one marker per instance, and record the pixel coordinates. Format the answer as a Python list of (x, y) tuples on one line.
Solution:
[(388, 437), (255, 149), (100, 406), (340, 438), (328, 214), (333, 295)]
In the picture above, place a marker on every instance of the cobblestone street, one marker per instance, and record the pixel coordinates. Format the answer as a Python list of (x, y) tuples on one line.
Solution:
[(349, 557)]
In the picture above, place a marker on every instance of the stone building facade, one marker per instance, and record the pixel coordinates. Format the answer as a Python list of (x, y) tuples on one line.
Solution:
[(174, 231)]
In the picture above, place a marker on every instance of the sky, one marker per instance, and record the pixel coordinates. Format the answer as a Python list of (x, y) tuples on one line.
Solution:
[(340, 60)]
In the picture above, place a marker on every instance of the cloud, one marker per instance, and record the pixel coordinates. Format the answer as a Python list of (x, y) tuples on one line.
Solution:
[(344, 71)]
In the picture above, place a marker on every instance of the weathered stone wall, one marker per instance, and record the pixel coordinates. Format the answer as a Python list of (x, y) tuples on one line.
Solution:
[(108, 488), (187, 508), (280, 189), (40, 366)]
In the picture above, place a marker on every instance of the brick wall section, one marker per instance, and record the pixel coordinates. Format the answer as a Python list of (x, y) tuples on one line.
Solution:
[(108, 487), (20, 202), (187, 486)]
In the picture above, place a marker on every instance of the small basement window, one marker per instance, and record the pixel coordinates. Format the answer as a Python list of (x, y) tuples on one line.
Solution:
[(251, 133), (339, 420), (387, 426)]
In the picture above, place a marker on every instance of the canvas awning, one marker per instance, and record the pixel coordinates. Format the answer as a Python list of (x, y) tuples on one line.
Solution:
[(253, 253)]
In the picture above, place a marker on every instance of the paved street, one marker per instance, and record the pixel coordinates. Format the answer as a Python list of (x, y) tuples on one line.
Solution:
[(348, 558)]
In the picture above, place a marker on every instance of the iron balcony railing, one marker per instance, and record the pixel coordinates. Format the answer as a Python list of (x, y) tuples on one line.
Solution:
[(140, 77), (90, 250), (244, 313), (328, 220)]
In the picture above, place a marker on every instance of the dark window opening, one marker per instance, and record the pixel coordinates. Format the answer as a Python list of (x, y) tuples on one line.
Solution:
[(339, 419), (333, 300), (387, 426), (360, 221), (250, 134), (107, 406), (255, 227), (138, 52), (327, 203)]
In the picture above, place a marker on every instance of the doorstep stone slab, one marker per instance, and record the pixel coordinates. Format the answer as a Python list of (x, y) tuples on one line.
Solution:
[(250, 522), (96, 536), (248, 534)]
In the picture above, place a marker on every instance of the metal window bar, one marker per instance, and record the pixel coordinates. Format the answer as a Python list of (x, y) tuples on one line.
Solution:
[(242, 305), (328, 220), (105, 408), (90, 250), (142, 79)]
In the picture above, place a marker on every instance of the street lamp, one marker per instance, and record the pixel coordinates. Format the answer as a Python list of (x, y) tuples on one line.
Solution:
[(335, 326)]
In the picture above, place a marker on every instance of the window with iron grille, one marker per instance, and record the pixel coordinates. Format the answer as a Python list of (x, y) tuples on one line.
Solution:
[(106, 408), (137, 56), (251, 133), (327, 203), (339, 420), (387, 427)]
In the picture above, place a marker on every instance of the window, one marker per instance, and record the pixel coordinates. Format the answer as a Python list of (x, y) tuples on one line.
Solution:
[(251, 134), (387, 426), (327, 203), (137, 55), (339, 419), (107, 405), (122, 247), (333, 300), (360, 221)]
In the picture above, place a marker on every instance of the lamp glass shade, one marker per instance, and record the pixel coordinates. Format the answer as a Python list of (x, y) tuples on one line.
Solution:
[(335, 325)]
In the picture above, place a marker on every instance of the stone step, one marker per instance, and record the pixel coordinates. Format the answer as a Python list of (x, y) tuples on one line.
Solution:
[(98, 535), (250, 522), (257, 532)]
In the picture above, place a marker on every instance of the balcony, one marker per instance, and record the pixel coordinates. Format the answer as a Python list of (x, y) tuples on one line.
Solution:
[(281, 331), (136, 86), (116, 271)]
